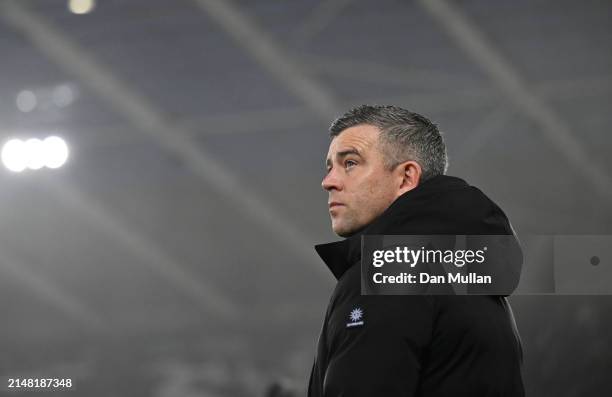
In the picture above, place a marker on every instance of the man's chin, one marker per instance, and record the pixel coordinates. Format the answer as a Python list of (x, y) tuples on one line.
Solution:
[(347, 231), (344, 232), (338, 230)]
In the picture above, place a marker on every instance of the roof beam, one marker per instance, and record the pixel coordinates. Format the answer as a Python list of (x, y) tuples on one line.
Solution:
[(199, 291), (150, 121), (319, 18), (49, 292), (381, 73), (272, 57), (513, 86)]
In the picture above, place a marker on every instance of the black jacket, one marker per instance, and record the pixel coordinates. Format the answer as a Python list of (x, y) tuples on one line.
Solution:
[(418, 345)]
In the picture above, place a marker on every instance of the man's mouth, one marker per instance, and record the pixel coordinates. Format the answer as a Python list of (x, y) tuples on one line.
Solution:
[(333, 207)]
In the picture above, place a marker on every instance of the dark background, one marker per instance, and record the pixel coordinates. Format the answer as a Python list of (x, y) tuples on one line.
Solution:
[(172, 255)]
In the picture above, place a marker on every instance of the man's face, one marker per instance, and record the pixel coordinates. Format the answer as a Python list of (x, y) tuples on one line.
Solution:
[(360, 187)]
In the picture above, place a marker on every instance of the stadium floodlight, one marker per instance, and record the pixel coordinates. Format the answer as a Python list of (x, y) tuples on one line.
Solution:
[(81, 6), (13, 155), (26, 101), (63, 95), (56, 152), (34, 153)]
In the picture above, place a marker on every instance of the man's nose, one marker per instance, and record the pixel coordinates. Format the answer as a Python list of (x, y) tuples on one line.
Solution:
[(331, 181)]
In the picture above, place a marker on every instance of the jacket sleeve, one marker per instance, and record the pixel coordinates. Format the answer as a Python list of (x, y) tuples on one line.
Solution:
[(382, 358)]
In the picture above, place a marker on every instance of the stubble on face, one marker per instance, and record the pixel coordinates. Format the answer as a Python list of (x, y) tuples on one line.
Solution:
[(365, 189)]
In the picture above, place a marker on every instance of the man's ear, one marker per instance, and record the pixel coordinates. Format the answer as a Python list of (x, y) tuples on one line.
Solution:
[(409, 173)]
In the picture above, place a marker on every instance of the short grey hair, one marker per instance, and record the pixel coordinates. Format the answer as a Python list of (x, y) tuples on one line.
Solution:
[(404, 136)]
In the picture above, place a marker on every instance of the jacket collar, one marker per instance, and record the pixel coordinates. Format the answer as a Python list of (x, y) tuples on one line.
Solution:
[(339, 256)]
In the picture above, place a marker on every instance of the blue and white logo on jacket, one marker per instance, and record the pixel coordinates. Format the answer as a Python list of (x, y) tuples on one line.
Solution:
[(355, 317)]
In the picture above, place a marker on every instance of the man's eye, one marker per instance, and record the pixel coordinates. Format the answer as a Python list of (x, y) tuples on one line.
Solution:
[(349, 163)]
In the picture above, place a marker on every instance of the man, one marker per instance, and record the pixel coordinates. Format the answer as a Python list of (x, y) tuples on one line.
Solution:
[(385, 175)]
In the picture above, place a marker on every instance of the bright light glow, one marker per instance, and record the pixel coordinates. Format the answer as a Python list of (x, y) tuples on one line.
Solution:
[(35, 152), (56, 152), (13, 155), (26, 101), (81, 6), (63, 95), (17, 155)]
